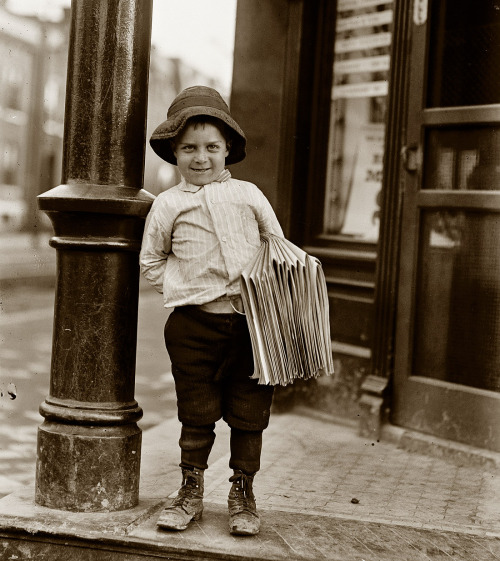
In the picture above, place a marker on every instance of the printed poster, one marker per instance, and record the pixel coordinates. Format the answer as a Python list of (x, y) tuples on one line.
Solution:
[(363, 205)]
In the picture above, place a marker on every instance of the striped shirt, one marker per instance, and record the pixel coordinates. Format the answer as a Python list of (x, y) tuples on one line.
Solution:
[(197, 240)]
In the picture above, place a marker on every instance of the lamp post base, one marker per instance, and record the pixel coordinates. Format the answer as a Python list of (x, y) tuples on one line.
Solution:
[(88, 469)]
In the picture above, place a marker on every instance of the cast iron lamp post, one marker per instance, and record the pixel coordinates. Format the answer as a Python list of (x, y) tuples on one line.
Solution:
[(89, 444)]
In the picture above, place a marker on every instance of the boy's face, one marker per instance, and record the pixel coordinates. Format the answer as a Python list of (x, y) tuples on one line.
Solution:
[(201, 152)]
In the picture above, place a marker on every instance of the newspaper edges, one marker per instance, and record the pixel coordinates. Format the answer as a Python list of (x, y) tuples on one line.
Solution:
[(286, 303)]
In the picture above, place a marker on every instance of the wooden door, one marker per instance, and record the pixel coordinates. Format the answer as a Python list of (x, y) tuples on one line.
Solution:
[(447, 361)]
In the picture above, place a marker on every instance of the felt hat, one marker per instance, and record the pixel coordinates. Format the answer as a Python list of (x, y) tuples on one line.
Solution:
[(197, 100)]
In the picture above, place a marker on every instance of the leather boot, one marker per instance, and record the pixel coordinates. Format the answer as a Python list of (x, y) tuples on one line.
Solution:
[(188, 505), (243, 517)]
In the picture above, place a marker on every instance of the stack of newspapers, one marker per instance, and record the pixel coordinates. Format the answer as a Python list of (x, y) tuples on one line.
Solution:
[(286, 303)]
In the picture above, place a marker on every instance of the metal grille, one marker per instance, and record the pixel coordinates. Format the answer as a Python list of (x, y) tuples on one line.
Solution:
[(464, 51), (457, 332), (464, 158)]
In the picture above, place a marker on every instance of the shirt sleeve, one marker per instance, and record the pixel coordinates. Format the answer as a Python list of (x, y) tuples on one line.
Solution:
[(156, 245), (266, 217)]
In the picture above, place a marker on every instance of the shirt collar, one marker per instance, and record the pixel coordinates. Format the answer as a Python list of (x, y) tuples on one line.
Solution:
[(189, 187)]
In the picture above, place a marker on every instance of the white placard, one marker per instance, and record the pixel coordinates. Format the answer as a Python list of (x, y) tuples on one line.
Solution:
[(365, 42), (361, 217), (420, 12), (364, 20), (367, 64), (344, 5), (363, 89)]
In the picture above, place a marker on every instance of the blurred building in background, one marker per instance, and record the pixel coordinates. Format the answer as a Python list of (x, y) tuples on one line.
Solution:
[(32, 85), (33, 62)]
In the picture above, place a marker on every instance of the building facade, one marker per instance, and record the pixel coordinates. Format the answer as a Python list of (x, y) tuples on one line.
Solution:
[(373, 129), (32, 79), (33, 69)]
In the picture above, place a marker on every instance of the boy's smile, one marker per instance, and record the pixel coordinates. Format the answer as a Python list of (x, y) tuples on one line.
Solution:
[(201, 152)]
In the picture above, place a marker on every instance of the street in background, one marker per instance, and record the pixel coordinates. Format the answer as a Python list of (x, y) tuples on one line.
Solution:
[(25, 350)]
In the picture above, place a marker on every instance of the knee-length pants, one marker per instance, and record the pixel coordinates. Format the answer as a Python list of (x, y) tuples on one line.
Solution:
[(212, 365)]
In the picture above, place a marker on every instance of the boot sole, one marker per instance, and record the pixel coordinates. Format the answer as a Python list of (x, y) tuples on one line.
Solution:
[(178, 528), (239, 531), (242, 533)]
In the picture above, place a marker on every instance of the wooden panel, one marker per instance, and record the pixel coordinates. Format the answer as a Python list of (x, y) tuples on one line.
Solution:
[(342, 264), (351, 319), (459, 199), (461, 115), (350, 277), (467, 415)]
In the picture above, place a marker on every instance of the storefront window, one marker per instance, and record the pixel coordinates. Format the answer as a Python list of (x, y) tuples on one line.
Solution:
[(358, 115)]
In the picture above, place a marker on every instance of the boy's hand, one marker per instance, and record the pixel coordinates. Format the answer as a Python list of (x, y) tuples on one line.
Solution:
[(224, 175)]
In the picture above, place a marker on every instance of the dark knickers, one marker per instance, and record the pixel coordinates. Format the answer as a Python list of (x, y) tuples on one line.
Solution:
[(212, 362)]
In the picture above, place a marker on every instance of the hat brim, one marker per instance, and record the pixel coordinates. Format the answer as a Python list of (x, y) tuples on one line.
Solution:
[(170, 128)]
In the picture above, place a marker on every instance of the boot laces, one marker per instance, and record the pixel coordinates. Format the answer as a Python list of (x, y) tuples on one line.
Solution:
[(242, 492), (190, 489)]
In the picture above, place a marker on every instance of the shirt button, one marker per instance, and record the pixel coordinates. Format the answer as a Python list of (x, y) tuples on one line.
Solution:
[(224, 239)]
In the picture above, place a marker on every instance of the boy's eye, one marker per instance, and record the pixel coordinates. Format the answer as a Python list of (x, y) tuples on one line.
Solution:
[(213, 147)]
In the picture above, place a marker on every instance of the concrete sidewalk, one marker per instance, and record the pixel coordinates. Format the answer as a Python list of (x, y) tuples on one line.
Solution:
[(323, 493)]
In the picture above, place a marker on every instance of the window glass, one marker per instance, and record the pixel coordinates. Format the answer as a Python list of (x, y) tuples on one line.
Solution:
[(9, 164), (457, 329), (358, 115), (14, 89), (464, 50), (463, 158)]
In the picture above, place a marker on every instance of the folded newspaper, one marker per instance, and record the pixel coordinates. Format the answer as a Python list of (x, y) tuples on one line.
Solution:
[(286, 303)]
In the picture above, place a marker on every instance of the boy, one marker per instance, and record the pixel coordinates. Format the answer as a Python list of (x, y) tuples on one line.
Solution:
[(198, 238)]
